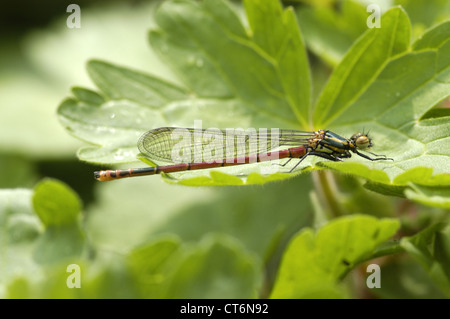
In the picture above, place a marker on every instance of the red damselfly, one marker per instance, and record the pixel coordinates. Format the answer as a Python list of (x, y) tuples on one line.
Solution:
[(187, 147)]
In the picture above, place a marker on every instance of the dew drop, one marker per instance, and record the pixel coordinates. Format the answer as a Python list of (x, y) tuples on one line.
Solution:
[(191, 60), (118, 157)]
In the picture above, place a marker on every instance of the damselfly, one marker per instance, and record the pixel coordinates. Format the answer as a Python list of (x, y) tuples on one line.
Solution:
[(243, 148)]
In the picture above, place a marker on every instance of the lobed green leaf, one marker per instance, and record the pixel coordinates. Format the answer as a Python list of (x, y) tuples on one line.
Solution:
[(259, 77), (328, 254), (55, 203), (431, 248)]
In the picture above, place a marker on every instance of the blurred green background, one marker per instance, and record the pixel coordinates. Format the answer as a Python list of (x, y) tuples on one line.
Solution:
[(41, 59)]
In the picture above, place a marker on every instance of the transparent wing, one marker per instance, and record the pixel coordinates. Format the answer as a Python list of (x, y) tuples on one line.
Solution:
[(173, 144)]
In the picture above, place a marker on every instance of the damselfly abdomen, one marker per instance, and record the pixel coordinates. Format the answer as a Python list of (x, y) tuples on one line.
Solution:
[(193, 149)]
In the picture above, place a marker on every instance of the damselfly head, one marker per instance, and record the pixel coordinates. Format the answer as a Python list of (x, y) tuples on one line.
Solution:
[(361, 141)]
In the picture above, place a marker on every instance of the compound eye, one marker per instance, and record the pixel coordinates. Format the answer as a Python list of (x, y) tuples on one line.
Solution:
[(362, 141)]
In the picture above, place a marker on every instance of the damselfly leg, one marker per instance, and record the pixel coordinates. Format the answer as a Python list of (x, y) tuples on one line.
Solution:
[(378, 157), (323, 155)]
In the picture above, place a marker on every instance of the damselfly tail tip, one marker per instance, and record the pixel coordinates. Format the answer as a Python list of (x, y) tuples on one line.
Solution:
[(109, 175), (97, 175)]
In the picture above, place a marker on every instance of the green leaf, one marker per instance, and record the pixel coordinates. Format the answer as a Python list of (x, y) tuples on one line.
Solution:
[(330, 33), (275, 31), (386, 189), (55, 203), (58, 208), (406, 279), (313, 263), (431, 248), (19, 229), (19, 289), (422, 176), (87, 96), (206, 44), (151, 265), (17, 220), (435, 38), (360, 66), (241, 212), (102, 278), (192, 38), (253, 213), (59, 243), (217, 268), (360, 170), (164, 268), (356, 199), (396, 93), (259, 77), (123, 84), (425, 13), (131, 108), (25, 245), (429, 195)]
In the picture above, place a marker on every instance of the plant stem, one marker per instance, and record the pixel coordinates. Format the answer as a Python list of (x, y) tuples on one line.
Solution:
[(326, 188)]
